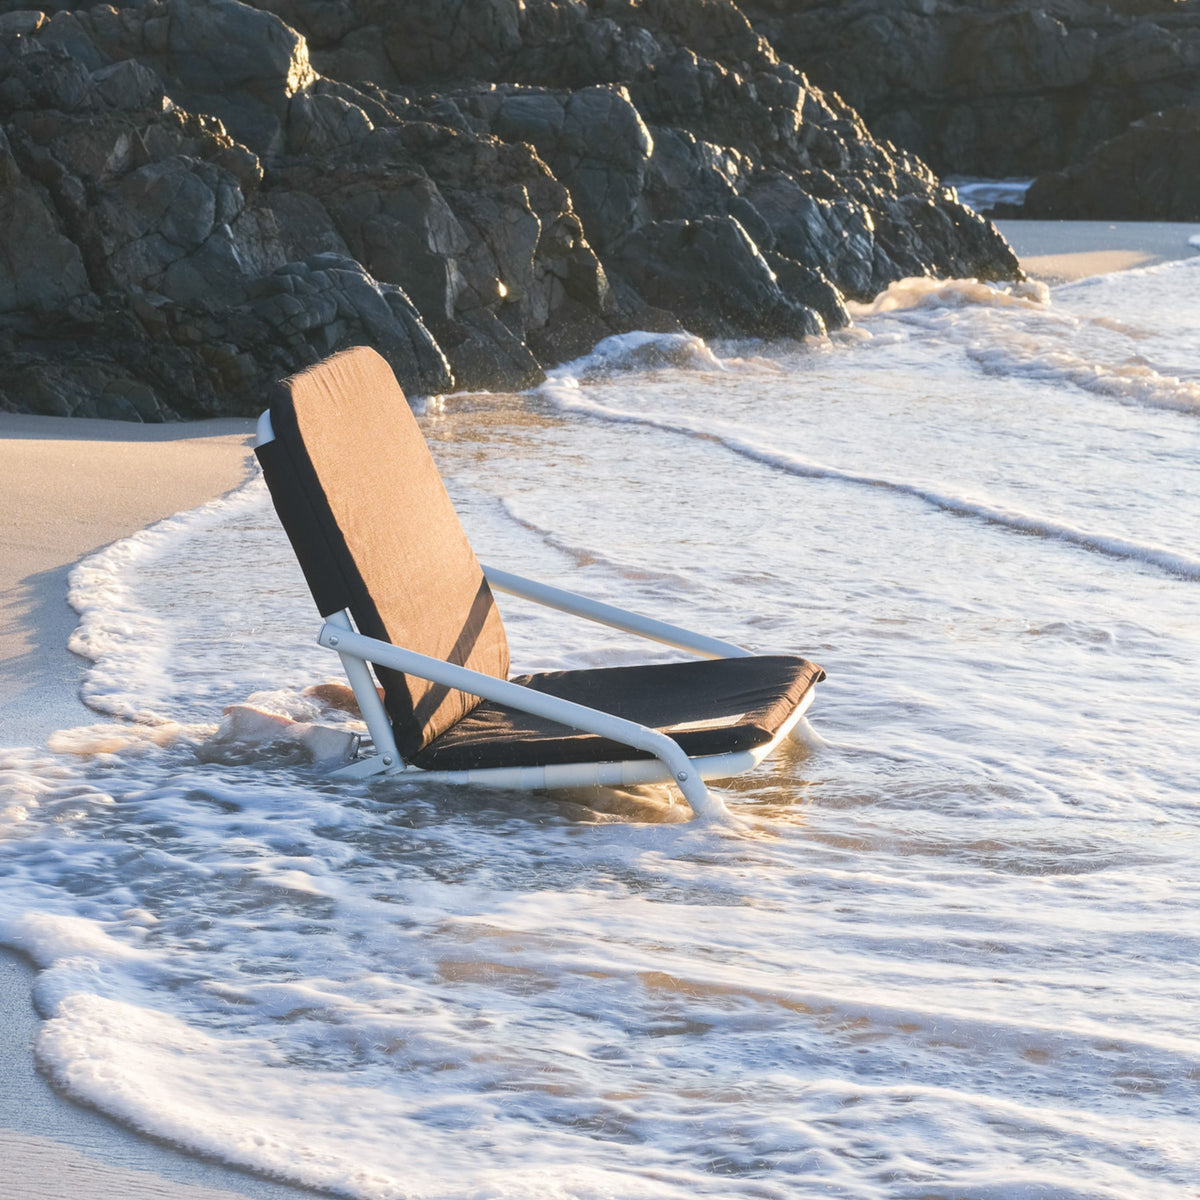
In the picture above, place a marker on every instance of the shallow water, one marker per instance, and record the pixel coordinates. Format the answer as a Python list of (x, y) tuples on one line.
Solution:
[(946, 946)]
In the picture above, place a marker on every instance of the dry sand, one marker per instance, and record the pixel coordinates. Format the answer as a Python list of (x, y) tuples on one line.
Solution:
[(1064, 251), (70, 487)]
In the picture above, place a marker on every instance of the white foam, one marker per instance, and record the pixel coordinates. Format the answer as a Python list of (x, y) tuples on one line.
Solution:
[(1017, 330), (164, 1077), (253, 726), (644, 353), (641, 350), (929, 293), (47, 939), (1133, 379), (1164, 558), (984, 193), (130, 648)]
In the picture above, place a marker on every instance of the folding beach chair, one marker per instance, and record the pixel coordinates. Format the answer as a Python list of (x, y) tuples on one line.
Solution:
[(400, 588)]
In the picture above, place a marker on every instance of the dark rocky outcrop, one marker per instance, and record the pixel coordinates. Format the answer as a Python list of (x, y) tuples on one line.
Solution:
[(201, 195), (994, 87), (1149, 173)]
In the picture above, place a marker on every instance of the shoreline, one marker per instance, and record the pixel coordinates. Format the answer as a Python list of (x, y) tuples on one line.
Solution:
[(1059, 252), (72, 486), (53, 1147)]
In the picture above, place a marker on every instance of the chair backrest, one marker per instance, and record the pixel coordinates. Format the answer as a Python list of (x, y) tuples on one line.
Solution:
[(359, 495)]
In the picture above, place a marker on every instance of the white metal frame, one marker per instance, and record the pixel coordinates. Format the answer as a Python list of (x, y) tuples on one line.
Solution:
[(669, 762)]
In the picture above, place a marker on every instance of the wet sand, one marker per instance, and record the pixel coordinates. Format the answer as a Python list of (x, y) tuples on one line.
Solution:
[(1065, 251)]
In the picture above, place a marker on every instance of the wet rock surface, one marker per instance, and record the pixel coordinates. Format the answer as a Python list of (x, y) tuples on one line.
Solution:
[(198, 196), (994, 88)]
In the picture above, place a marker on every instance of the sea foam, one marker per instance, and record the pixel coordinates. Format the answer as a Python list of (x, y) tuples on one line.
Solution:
[(949, 949)]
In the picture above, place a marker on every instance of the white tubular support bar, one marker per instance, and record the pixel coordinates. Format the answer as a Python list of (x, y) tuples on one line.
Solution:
[(369, 704), (626, 773), (576, 716), (608, 614)]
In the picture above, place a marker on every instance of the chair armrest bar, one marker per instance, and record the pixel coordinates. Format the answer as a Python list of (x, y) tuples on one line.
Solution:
[(576, 716), (608, 614)]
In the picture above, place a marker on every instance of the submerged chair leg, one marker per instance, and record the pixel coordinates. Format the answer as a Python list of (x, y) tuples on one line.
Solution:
[(696, 793), (369, 704)]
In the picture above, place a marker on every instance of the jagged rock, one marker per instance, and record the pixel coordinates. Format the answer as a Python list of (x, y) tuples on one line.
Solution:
[(40, 268), (711, 275), (217, 57), (811, 288), (700, 80), (595, 142), (144, 356), (1149, 173), (477, 232), (328, 301), (154, 199), (993, 87), (476, 187)]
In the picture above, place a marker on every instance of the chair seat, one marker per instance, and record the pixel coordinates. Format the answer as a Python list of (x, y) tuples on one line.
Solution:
[(709, 706)]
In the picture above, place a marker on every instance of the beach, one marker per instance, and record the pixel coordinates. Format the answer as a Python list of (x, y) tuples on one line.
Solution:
[(1063, 251), (71, 487)]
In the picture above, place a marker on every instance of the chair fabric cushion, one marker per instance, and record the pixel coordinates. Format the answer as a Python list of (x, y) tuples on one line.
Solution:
[(359, 495), (709, 706)]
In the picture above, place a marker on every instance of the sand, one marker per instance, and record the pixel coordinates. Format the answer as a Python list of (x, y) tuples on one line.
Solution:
[(1065, 251), (70, 487), (67, 489)]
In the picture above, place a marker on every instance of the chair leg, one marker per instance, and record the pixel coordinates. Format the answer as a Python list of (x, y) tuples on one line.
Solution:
[(704, 804), (369, 704)]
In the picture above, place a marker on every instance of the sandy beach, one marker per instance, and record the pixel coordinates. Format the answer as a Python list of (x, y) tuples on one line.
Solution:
[(72, 487), (1064, 251), (69, 488)]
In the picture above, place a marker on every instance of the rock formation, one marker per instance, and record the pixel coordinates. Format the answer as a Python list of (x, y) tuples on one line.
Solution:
[(1149, 173), (200, 195), (996, 89)]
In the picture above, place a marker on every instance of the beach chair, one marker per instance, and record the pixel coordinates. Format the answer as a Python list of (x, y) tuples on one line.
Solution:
[(403, 595)]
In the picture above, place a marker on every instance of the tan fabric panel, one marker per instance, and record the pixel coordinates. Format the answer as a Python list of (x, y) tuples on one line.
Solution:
[(411, 574)]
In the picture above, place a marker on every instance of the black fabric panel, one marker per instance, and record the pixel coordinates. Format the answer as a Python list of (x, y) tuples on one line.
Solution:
[(304, 514), (741, 702)]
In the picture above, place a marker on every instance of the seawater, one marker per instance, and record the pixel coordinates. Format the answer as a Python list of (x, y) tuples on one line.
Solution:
[(946, 945)]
